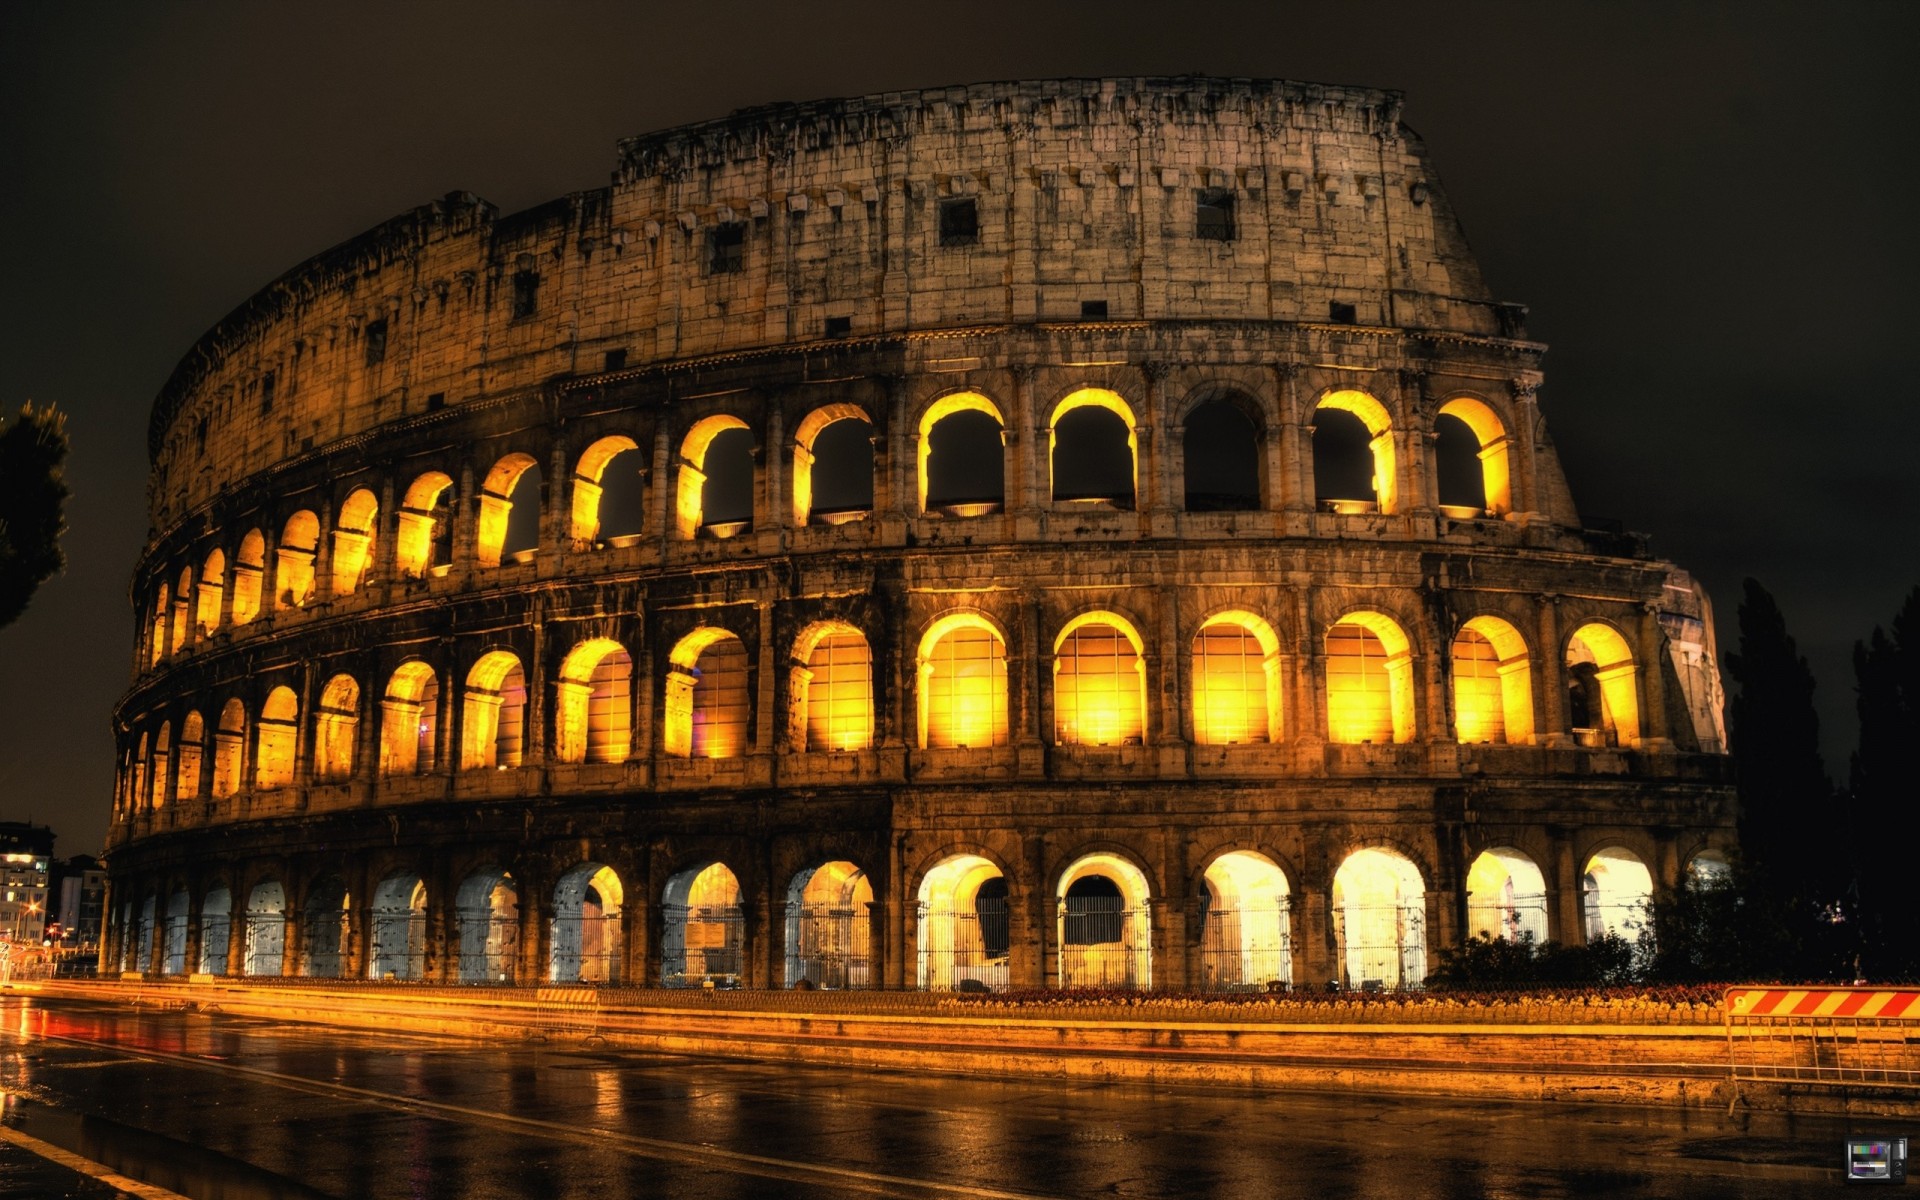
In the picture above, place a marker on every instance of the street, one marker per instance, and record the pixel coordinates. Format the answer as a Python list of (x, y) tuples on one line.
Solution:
[(222, 1108)]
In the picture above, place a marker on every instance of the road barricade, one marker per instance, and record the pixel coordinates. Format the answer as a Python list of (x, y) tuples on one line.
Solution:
[(1837, 1037), (569, 1011)]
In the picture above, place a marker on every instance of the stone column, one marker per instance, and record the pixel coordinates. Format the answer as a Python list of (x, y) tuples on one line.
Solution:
[(1563, 891), (1296, 445), (1551, 677), (1524, 480), (1656, 736)]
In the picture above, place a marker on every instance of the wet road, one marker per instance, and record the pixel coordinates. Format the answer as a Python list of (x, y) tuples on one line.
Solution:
[(223, 1108)]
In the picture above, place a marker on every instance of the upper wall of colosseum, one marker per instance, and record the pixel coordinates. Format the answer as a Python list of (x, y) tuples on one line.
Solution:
[(1143, 199)]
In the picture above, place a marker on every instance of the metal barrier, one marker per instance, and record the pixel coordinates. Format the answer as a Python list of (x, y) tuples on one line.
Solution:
[(569, 1011), (1833, 1037)]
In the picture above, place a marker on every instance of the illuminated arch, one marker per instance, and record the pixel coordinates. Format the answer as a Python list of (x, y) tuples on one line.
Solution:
[(213, 574), (189, 757), (946, 406), (703, 927), (1615, 890), (1099, 682), (1709, 866), (1111, 402), (962, 925), (593, 712), (1220, 440), (294, 561), (805, 436), (265, 930), (249, 568), (1105, 934), (1236, 681), (1373, 414), (1380, 920), (182, 610), (707, 699), (493, 724), (1370, 692), (1603, 687), (1492, 683), (273, 754), (961, 672), (1490, 433), (1506, 896), (162, 608), (229, 749), (585, 929), (173, 938), (1246, 937), (216, 931), (587, 490), (399, 934), (410, 720), (336, 729), (486, 912), (690, 489), (496, 506), (353, 538), (157, 767), (830, 927), (422, 526), (832, 688), (325, 931)]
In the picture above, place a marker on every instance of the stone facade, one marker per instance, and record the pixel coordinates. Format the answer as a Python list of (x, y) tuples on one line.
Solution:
[(336, 465)]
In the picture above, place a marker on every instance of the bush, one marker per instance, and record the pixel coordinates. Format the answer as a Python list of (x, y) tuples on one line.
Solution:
[(1487, 961)]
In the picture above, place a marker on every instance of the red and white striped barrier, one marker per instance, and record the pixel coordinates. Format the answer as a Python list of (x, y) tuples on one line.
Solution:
[(1861, 1003)]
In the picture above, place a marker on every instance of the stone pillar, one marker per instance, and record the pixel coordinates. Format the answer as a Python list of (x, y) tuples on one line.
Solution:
[(1035, 965), (530, 967), (1551, 677), (1524, 480), (196, 900), (464, 505), (1024, 488), (901, 958), (1563, 891), (441, 958), (1655, 734), (237, 933), (1153, 466)]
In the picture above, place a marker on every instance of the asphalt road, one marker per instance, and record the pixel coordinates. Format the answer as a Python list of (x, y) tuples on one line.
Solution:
[(223, 1108)]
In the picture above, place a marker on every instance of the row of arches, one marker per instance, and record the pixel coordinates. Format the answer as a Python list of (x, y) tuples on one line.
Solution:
[(1099, 691), (826, 921), (1093, 449)]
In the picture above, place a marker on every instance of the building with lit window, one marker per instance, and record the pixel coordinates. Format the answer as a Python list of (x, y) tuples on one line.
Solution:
[(26, 851), (1077, 532)]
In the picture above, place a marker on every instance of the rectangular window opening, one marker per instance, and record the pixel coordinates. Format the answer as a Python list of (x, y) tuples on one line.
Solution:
[(436, 401), (266, 392), (727, 248), (959, 221), (376, 342), (1341, 314), (1093, 310), (839, 326), (1213, 215), (614, 360), (526, 293)]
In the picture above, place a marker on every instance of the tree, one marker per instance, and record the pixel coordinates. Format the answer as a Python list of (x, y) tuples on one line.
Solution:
[(33, 447), (1885, 779), (1788, 830)]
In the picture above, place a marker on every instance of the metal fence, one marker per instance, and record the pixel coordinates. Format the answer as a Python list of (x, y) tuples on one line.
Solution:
[(1103, 943), (964, 950), (586, 949), (1382, 946), (827, 946), (1837, 1037), (1246, 949), (702, 946)]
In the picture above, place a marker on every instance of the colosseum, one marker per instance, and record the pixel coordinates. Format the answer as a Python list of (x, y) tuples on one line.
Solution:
[(1047, 534)]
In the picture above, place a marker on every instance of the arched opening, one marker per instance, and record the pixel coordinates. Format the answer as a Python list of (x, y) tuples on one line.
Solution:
[(1236, 681), (423, 535), (1603, 688), (182, 610), (1506, 896), (157, 767), (1091, 450), (139, 951), (1492, 684), (1221, 448), (585, 934), (213, 574), (216, 931), (173, 948), (832, 688), (963, 460), (410, 720), (1615, 889), (1380, 921), (493, 730), (229, 749), (593, 717), (1105, 935), (1099, 683), (273, 754), (353, 537), (707, 703), (509, 522), (609, 483), (1470, 459), (188, 757), (962, 925), (962, 693), (294, 561), (336, 729), (714, 494), (487, 927), (829, 927), (266, 930), (324, 929), (1246, 925), (137, 792), (1353, 462), (703, 935), (157, 643), (399, 931), (249, 568), (833, 466), (1708, 867), (1369, 681)]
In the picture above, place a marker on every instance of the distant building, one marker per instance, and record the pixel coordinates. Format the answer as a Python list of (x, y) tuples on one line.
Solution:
[(26, 853), (79, 892)]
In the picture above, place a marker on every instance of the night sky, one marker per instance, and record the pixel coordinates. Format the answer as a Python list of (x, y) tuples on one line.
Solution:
[(1710, 212)]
